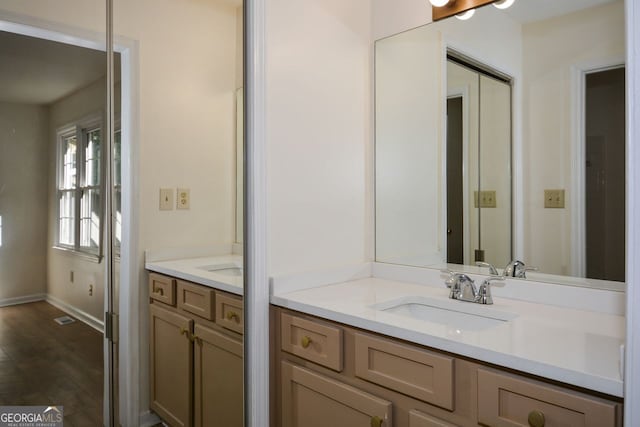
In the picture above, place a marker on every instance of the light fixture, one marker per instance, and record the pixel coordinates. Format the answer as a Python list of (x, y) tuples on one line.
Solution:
[(439, 3), (466, 15), (503, 4)]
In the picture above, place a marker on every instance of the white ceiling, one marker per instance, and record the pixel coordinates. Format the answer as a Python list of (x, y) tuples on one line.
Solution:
[(37, 71), (526, 11)]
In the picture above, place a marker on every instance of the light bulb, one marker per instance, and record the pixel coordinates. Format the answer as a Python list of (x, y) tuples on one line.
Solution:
[(503, 4), (439, 3), (466, 15)]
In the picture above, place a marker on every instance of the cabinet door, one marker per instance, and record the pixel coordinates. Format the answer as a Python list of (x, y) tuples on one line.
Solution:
[(171, 356), (218, 379), (310, 399)]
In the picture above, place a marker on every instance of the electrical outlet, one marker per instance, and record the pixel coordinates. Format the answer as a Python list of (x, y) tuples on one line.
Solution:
[(485, 199), (166, 199), (554, 199), (90, 290), (184, 199)]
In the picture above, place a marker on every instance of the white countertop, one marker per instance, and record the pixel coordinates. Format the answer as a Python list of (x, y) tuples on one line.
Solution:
[(572, 346), (195, 270)]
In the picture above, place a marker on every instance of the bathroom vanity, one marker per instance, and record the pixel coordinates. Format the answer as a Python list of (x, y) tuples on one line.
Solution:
[(371, 351), (196, 326)]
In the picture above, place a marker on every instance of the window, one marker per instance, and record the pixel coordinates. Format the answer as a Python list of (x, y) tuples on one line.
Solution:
[(78, 187), (117, 190)]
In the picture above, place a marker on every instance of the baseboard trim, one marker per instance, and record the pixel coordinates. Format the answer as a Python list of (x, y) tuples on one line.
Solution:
[(148, 419), (22, 300), (86, 318)]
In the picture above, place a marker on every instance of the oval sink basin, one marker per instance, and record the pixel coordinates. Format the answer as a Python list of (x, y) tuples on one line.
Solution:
[(228, 269), (459, 315)]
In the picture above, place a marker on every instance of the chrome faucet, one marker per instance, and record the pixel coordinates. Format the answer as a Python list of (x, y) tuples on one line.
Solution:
[(463, 288), (484, 291), (492, 270), (517, 269)]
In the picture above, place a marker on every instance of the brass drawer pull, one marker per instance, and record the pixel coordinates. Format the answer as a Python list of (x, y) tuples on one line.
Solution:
[(232, 315), (305, 341), (195, 338), (184, 331), (536, 419), (159, 291), (376, 421)]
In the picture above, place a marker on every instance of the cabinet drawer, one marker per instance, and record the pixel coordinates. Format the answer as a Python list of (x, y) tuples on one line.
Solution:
[(508, 400), (229, 312), (419, 419), (311, 340), (310, 399), (415, 372), (162, 288), (196, 299)]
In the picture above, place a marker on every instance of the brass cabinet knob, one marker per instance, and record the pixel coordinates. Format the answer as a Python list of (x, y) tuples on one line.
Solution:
[(184, 331), (232, 315), (305, 341), (159, 291), (376, 421), (195, 338), (536, 419)]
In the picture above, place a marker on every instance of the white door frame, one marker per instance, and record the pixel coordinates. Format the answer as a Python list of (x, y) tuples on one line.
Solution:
[(579, 157), (632, 356), (131, 261)]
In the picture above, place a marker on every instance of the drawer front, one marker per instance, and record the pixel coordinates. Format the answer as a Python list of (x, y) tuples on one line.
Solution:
[(229, 312), (310, 399), (420, 419), (415, 372), (316, 342), (508, 400), (196, 299), (162, 288)]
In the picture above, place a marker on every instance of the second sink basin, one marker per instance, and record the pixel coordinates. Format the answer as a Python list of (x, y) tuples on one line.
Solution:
[(228, 269), (458, 315)]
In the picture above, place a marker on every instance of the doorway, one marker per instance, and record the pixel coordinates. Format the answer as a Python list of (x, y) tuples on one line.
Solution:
[(605, 184), (58, 78), (455, 188)]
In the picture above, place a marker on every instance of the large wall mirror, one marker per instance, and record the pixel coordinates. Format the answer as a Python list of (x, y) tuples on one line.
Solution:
[(502, 138)]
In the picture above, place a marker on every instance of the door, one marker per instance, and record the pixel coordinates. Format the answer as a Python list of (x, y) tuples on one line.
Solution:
[(171, 369), (455, 208), (310, 399), (218, 365), (605, 174)]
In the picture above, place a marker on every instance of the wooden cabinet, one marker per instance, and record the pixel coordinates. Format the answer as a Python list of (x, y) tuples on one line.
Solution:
[(196, 365), (509, 400), (170, 364), (313, 400), (358, 378), (218, 379)]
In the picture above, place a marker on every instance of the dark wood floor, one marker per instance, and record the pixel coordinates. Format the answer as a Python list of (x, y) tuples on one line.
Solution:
[(43, 363)]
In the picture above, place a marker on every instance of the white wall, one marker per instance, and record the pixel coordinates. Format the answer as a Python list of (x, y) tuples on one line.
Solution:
[(23, 199), (409, 98), (318, 132), (590, 36)]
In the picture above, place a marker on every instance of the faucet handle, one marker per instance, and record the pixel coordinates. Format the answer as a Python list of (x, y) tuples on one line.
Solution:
[(492, 269), (484, 291)]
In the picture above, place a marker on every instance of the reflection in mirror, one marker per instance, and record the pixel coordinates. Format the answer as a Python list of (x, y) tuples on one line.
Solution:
[(52, 104), (502, 138), (190, 68)]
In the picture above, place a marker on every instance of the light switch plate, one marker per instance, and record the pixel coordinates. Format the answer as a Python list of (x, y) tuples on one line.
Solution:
[(184, 199), (554, 199), (166, 199), (485, 199)]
